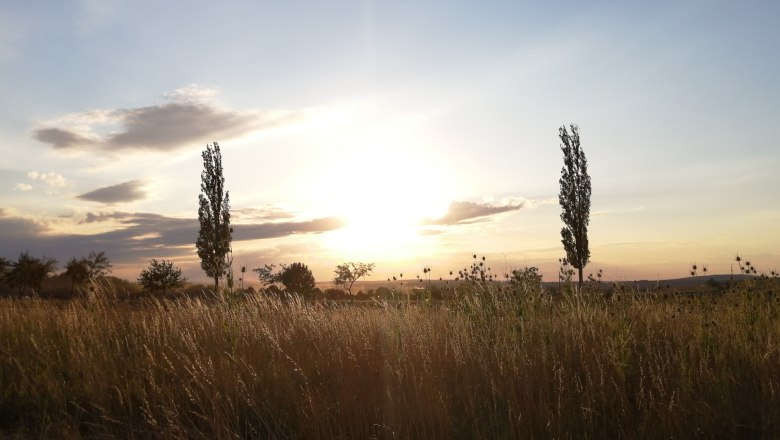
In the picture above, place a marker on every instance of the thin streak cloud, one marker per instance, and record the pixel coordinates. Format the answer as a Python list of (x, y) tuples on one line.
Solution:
[(461, 213)]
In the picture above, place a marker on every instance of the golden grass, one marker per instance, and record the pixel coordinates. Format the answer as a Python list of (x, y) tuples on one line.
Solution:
[(490, 365)]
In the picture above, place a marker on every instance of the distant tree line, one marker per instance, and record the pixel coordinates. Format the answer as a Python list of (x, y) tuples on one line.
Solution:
[(27, 274)]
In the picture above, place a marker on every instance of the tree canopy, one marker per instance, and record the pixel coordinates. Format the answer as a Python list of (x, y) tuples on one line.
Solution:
[(29, 272), (161, 276), (86, 269), (348, 273), (294, 278)]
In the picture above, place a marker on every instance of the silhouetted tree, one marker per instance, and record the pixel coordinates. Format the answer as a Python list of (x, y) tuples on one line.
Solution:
[(29, 272), (98, 264), (77, 271), (214, 215), (89, 268), (574, 199), (4, 266), (266, 275), (295, 278), (161, 276), (348, 273)]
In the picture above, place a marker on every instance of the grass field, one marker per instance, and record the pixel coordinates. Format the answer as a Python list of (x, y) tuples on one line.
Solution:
[(494, 363)]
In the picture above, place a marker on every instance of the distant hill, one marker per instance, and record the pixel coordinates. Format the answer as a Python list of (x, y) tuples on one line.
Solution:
[(689, 281), (675, 283)]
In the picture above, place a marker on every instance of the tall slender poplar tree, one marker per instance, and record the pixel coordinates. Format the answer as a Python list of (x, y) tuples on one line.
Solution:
[(574, 199), (214, 215)]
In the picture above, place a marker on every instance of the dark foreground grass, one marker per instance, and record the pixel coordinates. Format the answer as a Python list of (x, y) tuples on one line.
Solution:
[(493, 365)]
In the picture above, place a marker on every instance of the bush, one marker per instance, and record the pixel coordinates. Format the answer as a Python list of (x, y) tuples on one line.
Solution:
[(160, 277), (28, 273)]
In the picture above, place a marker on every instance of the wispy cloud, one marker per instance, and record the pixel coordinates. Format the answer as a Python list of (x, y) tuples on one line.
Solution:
[(460, 213), (22, 187), (124, 192), (189, 117), (51, 179), (268, 213)]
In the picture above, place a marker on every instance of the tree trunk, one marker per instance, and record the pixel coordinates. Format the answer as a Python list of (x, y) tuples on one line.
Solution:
[(216, 284), (580, 286)]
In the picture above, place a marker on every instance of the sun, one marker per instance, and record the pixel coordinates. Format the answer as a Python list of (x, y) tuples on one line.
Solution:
[(384, 195)]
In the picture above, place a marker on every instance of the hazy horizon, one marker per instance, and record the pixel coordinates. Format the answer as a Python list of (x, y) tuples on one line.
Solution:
[(407, 135)]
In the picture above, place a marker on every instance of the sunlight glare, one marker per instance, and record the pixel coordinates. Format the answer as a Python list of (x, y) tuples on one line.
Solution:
[(384, 192)]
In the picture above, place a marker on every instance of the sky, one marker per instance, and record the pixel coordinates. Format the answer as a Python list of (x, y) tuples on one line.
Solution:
[(408, 134)]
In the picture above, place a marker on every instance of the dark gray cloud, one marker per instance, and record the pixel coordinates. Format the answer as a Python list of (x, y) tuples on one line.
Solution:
[(61, 138), (123, 192), (168, 126), (460, 213), (140, 236), (165, 127), (16, 229), (281, 229)]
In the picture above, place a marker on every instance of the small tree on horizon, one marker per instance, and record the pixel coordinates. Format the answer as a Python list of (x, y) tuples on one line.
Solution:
[(85, 269), (296, 278), (214, 216), (4, 266), (77, 271), (29, 272), (161, 276), (574, 199), (348, 273)]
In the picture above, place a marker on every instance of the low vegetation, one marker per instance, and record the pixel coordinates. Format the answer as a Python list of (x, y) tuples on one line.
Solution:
[(501, 360)]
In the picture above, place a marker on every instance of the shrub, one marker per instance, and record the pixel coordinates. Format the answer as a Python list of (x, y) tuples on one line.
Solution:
[(160, 277)]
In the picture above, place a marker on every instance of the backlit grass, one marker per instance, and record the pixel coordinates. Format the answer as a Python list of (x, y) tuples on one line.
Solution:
[(492, 364)]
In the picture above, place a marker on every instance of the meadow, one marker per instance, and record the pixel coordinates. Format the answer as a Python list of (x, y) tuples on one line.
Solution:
[(496, 361)]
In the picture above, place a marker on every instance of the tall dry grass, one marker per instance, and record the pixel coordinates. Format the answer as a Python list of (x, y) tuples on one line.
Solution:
[(490, 365)]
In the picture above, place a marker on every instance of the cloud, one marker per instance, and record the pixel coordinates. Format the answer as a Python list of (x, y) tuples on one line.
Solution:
[(533, 203), (124, 192), (282, 229), (138, 237), (51, 179), (461, 213), (268, 213), (16, 233), (62, 138), (102, 217), (22, 187), (191, 93), (189, 117)]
